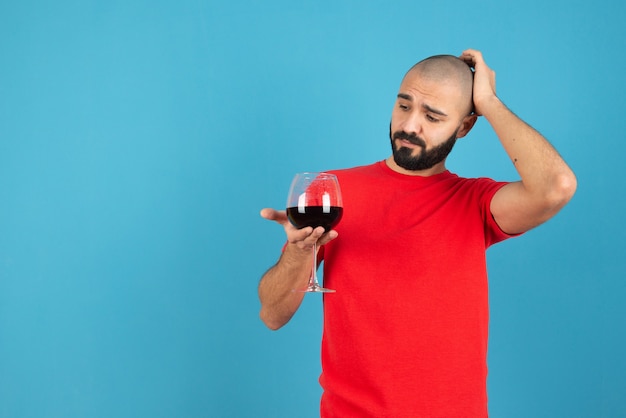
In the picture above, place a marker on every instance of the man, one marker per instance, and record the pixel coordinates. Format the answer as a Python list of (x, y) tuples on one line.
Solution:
[(405, 335)]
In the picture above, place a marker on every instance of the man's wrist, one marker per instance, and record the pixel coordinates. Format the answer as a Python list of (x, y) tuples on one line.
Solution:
[(490, 106)]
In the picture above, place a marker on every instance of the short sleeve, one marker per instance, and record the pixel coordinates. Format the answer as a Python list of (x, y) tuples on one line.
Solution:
[(493, 232)]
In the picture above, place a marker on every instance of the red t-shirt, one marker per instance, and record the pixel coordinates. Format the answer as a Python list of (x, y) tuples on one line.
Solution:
[(405, 335)]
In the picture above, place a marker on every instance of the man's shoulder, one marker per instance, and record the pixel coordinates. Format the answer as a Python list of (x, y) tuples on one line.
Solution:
[(358, 168), (471, 180), (372, 169)]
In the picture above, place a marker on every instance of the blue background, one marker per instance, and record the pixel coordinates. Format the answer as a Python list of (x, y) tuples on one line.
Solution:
[(139, 139)]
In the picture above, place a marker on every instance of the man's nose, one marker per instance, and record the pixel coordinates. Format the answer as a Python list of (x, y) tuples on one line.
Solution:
[(411, 125)]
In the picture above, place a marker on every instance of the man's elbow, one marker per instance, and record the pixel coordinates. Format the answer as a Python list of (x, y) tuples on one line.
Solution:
[(562, 189), (271, 321)]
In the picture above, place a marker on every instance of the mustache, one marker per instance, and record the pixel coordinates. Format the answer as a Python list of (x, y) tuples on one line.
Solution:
[(412, 138)]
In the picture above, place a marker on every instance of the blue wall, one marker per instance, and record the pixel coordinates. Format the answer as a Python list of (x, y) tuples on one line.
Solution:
[(139, 139)]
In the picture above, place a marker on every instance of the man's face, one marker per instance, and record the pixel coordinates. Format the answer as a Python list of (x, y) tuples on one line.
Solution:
[(425, 122)]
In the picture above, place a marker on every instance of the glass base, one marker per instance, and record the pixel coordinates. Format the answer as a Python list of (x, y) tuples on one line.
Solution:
[(316, 288)]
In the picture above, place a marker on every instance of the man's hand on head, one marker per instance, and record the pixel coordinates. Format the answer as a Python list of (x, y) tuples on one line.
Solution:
[(484, 90)]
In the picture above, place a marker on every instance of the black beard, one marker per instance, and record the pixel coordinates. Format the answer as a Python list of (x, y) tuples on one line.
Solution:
[(428, 158)]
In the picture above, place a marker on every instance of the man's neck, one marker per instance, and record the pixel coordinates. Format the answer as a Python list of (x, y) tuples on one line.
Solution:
[(437, 169)]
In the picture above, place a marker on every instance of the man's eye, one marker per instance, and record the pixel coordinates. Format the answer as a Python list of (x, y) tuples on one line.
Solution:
[(431, 118), (403, 107)]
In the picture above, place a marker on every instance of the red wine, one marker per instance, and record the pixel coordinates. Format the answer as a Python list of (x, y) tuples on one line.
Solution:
[(315, 216)]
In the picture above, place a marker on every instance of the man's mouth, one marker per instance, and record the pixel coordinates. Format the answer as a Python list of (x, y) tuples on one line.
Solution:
[(409, 140), (410, 144)]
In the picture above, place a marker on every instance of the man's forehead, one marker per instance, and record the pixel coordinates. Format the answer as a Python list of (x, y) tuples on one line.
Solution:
[(414, 87)]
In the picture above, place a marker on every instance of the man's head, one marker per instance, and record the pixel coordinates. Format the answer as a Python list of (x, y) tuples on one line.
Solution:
[(433, 109)]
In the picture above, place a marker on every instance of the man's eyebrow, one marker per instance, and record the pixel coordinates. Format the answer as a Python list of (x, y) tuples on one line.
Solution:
[(433, 110), (425, 106)]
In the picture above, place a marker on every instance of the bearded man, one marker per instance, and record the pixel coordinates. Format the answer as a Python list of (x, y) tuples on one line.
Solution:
[(405, 334)]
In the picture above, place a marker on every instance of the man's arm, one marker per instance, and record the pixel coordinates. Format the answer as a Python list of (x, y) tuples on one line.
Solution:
[(547, 183), (279, 302)]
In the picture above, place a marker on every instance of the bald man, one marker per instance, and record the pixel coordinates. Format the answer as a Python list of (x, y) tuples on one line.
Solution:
[(405, 334)]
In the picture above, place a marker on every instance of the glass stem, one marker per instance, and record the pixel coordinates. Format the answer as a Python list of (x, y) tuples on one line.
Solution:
[(313, 280)]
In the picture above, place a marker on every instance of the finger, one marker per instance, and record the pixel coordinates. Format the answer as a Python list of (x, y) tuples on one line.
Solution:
[(468, 59), (327, 237), (274, 215), (315, 235), (472, 53), (298, 235), (472, 57), (305, 237)]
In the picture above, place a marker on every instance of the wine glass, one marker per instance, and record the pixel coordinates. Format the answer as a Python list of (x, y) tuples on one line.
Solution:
[(314, 200)]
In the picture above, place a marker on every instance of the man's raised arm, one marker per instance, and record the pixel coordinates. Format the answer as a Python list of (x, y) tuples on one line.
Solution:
[(547, 183)]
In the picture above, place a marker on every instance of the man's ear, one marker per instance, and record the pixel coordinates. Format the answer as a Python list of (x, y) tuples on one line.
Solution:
[(466, 125)]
